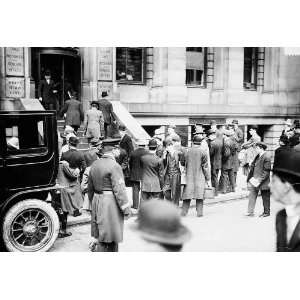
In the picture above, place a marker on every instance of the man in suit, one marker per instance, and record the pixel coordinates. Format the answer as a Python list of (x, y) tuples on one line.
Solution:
[(215, 151), (259, 179), (110, 205), (47, 92), (152, 173), (107, 110), (136, 171), (285, 188), (126, 147), (227, 172), (74, 157)]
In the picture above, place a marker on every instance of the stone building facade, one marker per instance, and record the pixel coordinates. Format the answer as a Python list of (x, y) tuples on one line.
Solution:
[(162, 85)]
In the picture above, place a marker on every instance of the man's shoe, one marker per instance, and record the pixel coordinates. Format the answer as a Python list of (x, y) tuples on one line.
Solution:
[(249, 215), (263, 215)]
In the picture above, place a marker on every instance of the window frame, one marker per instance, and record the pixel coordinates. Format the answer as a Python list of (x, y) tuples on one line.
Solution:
[(253, 87), (28, 152), (143, 68), (204, 74)]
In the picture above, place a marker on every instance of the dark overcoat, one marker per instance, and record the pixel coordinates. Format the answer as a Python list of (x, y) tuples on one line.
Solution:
[(197, 172), (107, 209), (135, 164), (281, 230), (215, 151), (75, 159), (107, 109), (74, 112), (234, 147), (260, 169), (227, 157), (152, 173), (45, 91)]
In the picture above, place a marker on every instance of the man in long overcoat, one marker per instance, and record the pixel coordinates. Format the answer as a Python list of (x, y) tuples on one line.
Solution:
[(259, 179), (215, 150), (74, 112), (227, 174), (107, 110), (47, 92), (285, 188), (136, 171), (107, 193), (197, 176)]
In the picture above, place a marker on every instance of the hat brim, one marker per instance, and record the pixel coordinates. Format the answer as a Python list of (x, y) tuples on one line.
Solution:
[(181, 236)]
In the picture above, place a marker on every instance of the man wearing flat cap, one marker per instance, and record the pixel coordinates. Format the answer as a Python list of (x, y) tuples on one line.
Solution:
[(259, 179), (285, 188), (107, 193), (159, 226)]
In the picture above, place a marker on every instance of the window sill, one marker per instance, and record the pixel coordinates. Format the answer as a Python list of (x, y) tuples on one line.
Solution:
[(130, 83), (196, 86)]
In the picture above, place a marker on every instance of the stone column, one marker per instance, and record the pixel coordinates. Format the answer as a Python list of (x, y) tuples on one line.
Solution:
[(176, 64)]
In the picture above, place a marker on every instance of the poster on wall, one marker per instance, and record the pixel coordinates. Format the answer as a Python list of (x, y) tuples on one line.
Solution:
[(14, 61), (15, 87), (105, 63), (105, 86)]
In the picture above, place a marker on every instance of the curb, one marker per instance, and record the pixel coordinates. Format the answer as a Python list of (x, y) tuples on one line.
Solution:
[(85, 218)]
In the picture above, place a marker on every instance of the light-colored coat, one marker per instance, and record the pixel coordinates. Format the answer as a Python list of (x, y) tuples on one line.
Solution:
[(197, 172), (93, 123)]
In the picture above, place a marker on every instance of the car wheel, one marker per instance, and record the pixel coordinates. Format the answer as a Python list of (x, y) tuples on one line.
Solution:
[(30, 225)]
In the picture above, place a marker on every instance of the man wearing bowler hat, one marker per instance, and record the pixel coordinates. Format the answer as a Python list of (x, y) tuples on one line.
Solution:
[(259, 179), (107, 109), (47, 92), (152, 173), (107, 193), (285, 188), (136, 171), (160, 227)]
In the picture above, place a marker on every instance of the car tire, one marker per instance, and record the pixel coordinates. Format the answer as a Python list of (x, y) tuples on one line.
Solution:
[(29, 226)]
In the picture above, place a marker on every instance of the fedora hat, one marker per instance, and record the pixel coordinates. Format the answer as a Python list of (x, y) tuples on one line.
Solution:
[(152, 144), (159, 221), (197, 140), (287, 161)]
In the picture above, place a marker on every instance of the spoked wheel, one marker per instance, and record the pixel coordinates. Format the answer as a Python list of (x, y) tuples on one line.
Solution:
[(30, 225)]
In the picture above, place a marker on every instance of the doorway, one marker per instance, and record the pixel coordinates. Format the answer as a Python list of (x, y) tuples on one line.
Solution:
[(65, 68)]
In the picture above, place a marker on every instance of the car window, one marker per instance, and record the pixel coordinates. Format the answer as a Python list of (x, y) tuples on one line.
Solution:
[(25, 134)]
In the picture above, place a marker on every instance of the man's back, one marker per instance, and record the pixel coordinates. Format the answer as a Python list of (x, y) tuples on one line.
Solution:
[(216, 153), (106, 107), (135, 163), (152, 173), (75, 159)]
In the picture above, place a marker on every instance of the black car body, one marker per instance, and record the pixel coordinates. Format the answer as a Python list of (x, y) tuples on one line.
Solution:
[(29, 161)]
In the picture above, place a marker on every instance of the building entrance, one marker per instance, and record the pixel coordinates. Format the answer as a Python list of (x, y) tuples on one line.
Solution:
[(65, 67)]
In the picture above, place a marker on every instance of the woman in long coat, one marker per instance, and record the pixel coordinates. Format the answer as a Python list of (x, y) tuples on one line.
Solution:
[(197, 174)]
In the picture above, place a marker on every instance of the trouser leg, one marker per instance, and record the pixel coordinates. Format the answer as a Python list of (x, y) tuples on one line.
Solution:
[(265, 194), (64, 222), (235, 176), (177, 189), (231, 180), (199, 207), (135, 194), (253, 192), (214, 180), (105, 130), (224, 180), (185, 207)]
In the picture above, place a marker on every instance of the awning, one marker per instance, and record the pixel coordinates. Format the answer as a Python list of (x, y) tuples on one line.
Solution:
[(132, 125)]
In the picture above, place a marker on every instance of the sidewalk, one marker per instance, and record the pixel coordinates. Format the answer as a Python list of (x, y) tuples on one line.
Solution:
[(238, 195)]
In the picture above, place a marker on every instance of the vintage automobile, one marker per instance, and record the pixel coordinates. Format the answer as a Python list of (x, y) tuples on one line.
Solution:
[(28, 169)]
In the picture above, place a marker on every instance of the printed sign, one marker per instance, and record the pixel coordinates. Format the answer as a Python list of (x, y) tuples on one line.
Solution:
[(105, 63), (14, 61), (105, 86), (15, 87)]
